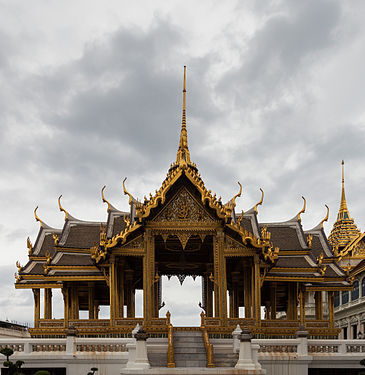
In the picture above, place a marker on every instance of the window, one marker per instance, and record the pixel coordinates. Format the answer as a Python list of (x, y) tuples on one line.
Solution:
[(354, 331), (345, 333), (355, 292), (337, 299), (345, 297)]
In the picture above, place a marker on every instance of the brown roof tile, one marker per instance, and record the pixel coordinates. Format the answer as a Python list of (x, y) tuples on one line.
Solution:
[(82, 236), (284, 237)]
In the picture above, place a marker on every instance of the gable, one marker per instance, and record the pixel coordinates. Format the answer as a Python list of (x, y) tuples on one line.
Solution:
[(184, 208)]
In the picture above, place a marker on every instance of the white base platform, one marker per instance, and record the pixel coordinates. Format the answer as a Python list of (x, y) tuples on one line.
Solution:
[(192, 371)]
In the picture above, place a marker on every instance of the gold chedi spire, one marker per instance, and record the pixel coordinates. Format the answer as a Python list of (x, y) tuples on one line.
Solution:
[(343, 212), (183, 155), (344, 229)]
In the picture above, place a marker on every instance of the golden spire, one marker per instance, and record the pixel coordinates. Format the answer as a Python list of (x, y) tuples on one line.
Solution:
[(343, 206), (344, 229), (183, 155)]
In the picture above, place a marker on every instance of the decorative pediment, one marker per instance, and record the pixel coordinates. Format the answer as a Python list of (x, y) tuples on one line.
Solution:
[(183, 208), (359, 250), (355, 249)]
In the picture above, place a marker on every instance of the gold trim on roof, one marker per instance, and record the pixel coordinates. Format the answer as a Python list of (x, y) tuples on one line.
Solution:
[(61, 208), (29, 246), (302, 211), (259, 202), (37, 217), (103, 198), (232, 203), (143, 210), (126, 192), (326, 218)]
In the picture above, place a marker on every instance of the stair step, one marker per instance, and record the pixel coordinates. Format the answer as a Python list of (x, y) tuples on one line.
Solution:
[(188, 339), (191, 350), (190, 363), (190, 334)]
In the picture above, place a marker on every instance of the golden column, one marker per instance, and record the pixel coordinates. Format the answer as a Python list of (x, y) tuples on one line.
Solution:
[(292, 310), (248, 291), (47, 303), (331, 310), (37, 306), (235, 295), (220, 280), (120, 293), (74, 306), (318, 305), (112, 290), (66, 308), (302, 305), (91, 300), (273, 300), (129, 293), (148, 276), (257, 285), (208, 295)]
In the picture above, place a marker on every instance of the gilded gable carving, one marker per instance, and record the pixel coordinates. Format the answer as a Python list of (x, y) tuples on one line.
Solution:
[(183, 208), (359, 250)]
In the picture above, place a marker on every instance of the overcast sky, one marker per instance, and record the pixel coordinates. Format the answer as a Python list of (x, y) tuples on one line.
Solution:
[(91, 92)]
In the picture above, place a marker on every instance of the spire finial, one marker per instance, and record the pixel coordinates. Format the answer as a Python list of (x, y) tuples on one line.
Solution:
[(183, 155), (343, 206)]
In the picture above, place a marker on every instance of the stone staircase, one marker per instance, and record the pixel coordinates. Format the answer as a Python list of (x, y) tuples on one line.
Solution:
[(189, 349), (225, 359)]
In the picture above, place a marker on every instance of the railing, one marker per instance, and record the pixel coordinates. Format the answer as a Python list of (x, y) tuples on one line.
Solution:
[(68, 345), (277, 346), (170, 341), (207, 344), (51, 323)]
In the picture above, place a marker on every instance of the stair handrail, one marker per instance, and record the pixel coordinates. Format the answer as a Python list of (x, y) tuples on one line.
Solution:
[(207, 344), (170, 341)]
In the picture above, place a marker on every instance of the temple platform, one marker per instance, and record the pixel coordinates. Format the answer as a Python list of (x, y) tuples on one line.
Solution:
[(193, 371)]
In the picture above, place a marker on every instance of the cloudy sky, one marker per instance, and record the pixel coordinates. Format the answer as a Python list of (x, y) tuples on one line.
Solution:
[(91, 92)]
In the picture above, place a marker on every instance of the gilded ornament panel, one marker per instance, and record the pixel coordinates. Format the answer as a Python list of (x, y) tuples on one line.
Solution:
[(184, 208)]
